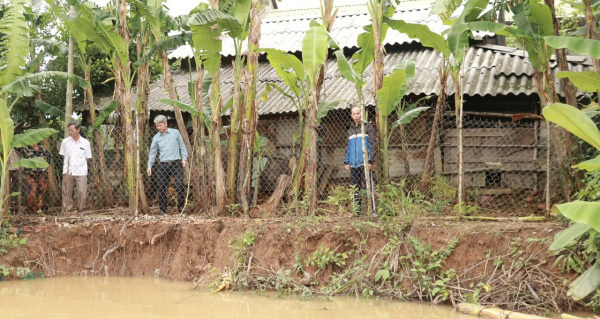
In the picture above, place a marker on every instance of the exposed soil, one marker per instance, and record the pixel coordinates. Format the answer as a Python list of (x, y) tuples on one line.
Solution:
[(509, 257)]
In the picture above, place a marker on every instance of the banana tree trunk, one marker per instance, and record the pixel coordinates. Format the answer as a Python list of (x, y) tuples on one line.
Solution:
[(404, 151), (251, 106), (5, 193), (382, 152), (179, 117), (458, 105), (123, 91), (104, 180), (70, 67), (592, 33), (51, 174), (143, 90), (371, 203), (173, 95), (310, 181), (215, 127), (46, 143), (545, 88), (437, 115), (202, 189), (234, 138), (572, 153)]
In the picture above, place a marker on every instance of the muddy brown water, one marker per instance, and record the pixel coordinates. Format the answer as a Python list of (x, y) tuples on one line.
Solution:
[(148, 298)]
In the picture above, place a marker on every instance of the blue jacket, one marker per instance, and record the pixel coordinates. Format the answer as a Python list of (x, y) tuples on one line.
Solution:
[(354, 154)]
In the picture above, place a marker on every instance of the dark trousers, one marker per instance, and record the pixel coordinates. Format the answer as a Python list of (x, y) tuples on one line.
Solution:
[(163, 176), (357, 181)]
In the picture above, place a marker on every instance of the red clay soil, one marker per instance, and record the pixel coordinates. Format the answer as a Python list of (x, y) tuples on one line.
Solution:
[(510, 258)]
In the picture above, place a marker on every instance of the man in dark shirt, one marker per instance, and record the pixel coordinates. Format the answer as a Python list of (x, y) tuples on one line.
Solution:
[(36, 179)]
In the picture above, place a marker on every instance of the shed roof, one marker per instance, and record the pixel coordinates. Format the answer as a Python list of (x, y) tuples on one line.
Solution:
[(284, 29), (490, 70)]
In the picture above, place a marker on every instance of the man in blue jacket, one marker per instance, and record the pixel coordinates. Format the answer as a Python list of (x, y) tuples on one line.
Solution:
[(354, 161)]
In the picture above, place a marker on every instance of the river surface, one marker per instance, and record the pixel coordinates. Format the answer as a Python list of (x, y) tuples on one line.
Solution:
[(148, 298)]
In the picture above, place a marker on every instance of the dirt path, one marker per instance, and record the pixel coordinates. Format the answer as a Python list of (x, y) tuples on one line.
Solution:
[(502, 263)]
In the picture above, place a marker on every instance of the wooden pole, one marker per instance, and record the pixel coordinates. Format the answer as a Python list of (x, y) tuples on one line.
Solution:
[(497, 313)]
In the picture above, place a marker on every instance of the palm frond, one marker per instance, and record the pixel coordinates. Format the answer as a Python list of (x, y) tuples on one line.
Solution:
[(14, 46), (212, 16), (445, 8), (26, 85)]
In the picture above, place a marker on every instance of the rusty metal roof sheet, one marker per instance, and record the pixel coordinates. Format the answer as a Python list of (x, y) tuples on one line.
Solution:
[(489, 70)]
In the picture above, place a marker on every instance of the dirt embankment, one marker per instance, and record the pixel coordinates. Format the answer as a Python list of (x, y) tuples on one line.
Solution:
[(502, 263)]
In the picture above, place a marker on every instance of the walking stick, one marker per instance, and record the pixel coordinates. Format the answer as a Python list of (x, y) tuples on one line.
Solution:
[(373, 195)]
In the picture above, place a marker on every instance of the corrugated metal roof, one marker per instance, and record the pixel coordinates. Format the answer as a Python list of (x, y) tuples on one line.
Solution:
[(285, 31), (489, 71)]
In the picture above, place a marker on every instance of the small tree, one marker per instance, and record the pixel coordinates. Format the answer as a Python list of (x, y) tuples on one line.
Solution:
[(453, 49), (303, 80), (208, 26), (14, 83), (585, 215)]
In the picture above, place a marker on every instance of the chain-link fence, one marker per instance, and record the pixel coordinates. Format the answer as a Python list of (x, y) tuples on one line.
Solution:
[(504, 162)]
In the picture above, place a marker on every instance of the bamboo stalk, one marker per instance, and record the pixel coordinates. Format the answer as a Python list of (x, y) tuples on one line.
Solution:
[(492, 312), (498, 219), (366, 159)]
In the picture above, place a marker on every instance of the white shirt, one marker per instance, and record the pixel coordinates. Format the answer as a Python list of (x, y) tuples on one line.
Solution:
[(75, 154)]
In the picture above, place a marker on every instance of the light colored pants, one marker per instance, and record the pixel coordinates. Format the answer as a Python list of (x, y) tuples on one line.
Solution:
[(67, 191)]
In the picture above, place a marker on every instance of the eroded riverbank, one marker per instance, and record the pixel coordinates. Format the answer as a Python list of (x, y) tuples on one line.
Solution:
[(502, 263)]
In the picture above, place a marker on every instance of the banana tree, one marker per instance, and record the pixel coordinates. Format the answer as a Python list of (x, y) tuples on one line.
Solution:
[(453, 49), (152, 28), (149, 24), (201, 120), (585, 215), (304, 84), (102, 180), (378, 10), (40, 48), (354, 73), (315, 59), (390, 99), (250, 119), (10, 141), (111, 34), (16, 82), (208, 26), (234, 20), (240, 10), (533, 22), (301, 81)]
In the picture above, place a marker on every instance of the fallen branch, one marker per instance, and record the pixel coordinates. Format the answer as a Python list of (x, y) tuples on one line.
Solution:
[(486, 218)]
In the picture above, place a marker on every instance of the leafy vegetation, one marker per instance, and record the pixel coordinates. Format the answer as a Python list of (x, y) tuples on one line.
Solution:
[(324, 257), (10, 240), (583, 214), (406, 199)]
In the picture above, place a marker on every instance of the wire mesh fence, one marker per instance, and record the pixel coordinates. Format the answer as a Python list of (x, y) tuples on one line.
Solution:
[(505, 165)]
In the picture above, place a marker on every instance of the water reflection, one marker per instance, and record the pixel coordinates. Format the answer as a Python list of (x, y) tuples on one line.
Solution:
[(149, 298)]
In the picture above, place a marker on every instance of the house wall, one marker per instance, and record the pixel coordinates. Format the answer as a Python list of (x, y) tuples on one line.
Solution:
[(516, 147)]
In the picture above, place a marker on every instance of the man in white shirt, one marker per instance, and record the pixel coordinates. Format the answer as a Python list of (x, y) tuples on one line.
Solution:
[(76, 152)]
